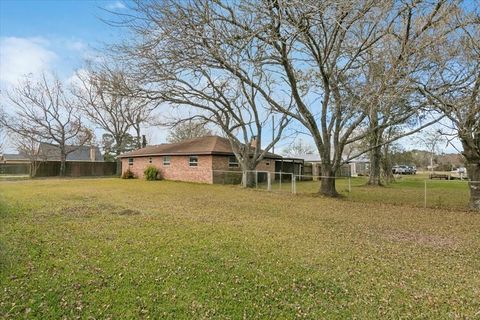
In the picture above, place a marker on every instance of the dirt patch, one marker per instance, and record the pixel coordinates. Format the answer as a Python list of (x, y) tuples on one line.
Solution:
[(126, 212), (420, 238)]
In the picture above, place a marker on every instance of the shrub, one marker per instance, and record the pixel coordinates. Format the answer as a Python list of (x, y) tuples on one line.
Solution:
[(151, 173), (128, 174)]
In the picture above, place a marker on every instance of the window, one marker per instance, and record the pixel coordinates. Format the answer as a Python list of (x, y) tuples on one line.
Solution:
[(150, 160), (166, 160), (130, 161), (267, 163), (232, 162), (193, 161)]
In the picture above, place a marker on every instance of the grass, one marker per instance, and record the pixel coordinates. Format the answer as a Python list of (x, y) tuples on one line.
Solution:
[(405, 191), (112, 248)]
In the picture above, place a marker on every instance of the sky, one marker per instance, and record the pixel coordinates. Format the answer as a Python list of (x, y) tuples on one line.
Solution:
[(59, 35), (55, 36), (40, 35)]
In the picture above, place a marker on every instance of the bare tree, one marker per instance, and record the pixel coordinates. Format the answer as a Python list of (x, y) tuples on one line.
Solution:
[(453, 86), (30, 148), (431, 140), (308, 60), (335, 40), (2, 140), (298, 147), (102, 100), (180, 62), (188, 130), (138, 115), (44, 112)]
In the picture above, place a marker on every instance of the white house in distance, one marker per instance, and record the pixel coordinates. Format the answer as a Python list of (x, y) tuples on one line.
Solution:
[(354, 168)]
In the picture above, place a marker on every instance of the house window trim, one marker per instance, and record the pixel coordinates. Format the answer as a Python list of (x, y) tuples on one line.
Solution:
[(130, 161), (192, 164), (167, 163), (233, 164)]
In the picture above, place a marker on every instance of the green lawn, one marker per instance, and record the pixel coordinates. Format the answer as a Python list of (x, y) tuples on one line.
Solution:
[(112, 248), (406, 191)]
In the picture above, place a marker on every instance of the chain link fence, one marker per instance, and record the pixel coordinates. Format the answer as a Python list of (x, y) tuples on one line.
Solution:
[(416, 191)]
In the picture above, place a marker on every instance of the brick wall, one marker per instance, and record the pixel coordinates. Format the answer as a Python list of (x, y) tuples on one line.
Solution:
[(220, 163), (179, 168)]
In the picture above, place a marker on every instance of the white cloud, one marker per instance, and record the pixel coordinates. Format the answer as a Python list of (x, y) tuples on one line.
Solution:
[(23, 56), (74, 79), (117, 5), (76, 45)]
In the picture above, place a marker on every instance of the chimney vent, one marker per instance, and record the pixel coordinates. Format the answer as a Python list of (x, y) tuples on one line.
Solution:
[(92, 153), (253, 142)]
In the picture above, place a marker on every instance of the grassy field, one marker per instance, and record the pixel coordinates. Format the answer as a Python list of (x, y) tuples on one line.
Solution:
[(407, 190), (112, 248)]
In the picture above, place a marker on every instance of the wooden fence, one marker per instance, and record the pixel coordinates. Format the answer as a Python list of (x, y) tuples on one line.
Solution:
[(72, 168)]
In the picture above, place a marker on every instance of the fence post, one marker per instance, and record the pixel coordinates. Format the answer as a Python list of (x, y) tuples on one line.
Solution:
[(269, 182), (294, 184), (425, 194)]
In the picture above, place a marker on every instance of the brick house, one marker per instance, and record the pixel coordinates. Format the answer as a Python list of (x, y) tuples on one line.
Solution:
[(194, 160)]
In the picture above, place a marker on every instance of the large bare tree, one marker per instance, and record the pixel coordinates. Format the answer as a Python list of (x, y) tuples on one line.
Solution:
[(315, 53), (43, 111), (452, 84), (183, 63), (102, 100), (309, 60)]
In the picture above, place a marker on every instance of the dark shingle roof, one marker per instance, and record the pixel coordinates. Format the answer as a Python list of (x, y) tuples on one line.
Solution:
[(199, 146), (11, 157), (51, 152)]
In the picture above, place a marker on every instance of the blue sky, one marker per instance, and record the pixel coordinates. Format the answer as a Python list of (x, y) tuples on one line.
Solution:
[(55, 36), (42, 35)]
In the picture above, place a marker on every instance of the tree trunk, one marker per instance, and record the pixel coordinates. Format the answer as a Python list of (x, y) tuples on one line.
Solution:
[(63, 159), (473, 171), (327, 182), (387, 166), (33, 168), (375, 167), (249, 175), (139, 137)]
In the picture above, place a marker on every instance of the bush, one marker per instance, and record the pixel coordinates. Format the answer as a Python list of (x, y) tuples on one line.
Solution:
[(151, 173), (128, 174)]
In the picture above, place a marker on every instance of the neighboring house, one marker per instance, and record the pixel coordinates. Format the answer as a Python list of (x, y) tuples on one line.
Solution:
[(7, 158), (359, 167), (195, 160), (81, 161), (51, 152), (354, 168)]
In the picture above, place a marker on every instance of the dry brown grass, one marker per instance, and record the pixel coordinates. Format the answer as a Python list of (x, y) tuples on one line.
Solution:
[(111, 248)]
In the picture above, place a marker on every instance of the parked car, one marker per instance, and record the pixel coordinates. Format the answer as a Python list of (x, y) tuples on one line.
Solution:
[(404, 169)]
